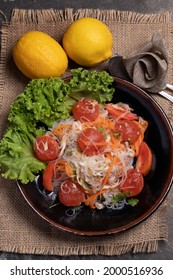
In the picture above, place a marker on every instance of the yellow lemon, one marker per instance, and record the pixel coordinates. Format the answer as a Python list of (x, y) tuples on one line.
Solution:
[(38, 55), (88, 41)]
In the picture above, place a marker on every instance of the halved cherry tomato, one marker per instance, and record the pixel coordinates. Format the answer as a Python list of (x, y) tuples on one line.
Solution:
[(46, 148), (117, 111), (48, 175), (91, 141), (86, 110), (128, 130), (133, 184), (144, 160), (70, 193)]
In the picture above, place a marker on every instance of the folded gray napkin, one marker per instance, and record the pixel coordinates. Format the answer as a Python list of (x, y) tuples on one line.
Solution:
[(148, 67)]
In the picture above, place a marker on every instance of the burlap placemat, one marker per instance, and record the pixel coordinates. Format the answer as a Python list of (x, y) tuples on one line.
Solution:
[(21, 230)]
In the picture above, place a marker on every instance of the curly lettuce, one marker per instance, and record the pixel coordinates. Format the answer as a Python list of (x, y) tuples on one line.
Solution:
[(91, 84), (17, 157), (41, 101), (38, 107)]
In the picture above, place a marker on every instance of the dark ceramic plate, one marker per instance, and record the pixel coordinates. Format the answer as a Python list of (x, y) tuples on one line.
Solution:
[(157, 184)]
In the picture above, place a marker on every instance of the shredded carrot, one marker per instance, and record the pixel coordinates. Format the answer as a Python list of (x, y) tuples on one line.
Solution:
[(114, 141), (90, 201), (108, 155), (68, 169), (91, 123), (106, 123), (59, 129), (62, 165)]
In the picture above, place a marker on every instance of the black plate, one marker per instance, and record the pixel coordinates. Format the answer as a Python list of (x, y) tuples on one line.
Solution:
[(159, 136)]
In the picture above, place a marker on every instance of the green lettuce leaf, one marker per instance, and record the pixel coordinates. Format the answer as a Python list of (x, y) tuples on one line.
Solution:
[(91, 84), (17, 156), (41, 101)]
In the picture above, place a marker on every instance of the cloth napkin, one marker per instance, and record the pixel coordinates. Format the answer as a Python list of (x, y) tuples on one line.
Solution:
[(147, 67)]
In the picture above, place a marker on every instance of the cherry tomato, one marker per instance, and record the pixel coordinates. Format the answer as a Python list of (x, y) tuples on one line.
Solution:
[(128, 130), (46, 148), (117, 111), (70, 193), (91, 141), (133, 184), (144, 160), (86, 110)]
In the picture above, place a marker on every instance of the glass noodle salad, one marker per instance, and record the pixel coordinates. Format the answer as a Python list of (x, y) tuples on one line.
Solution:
[(96, 157)]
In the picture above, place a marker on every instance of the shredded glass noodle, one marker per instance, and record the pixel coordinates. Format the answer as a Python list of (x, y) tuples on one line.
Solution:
[(102, 172)]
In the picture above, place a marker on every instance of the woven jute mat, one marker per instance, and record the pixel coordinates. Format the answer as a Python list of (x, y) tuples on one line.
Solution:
[(21, 230)]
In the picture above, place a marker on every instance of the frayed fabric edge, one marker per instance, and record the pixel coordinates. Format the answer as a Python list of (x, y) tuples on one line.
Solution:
[(162, 220), (143, 247), (2, 68), (27, 16)]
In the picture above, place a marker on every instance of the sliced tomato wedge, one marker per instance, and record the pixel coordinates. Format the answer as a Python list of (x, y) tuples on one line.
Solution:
[(128, 130), (48, 175), (133, 184), (71, 193), (119, 111), (144, 160), (86, 110), (46, 148), (91, 141)]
